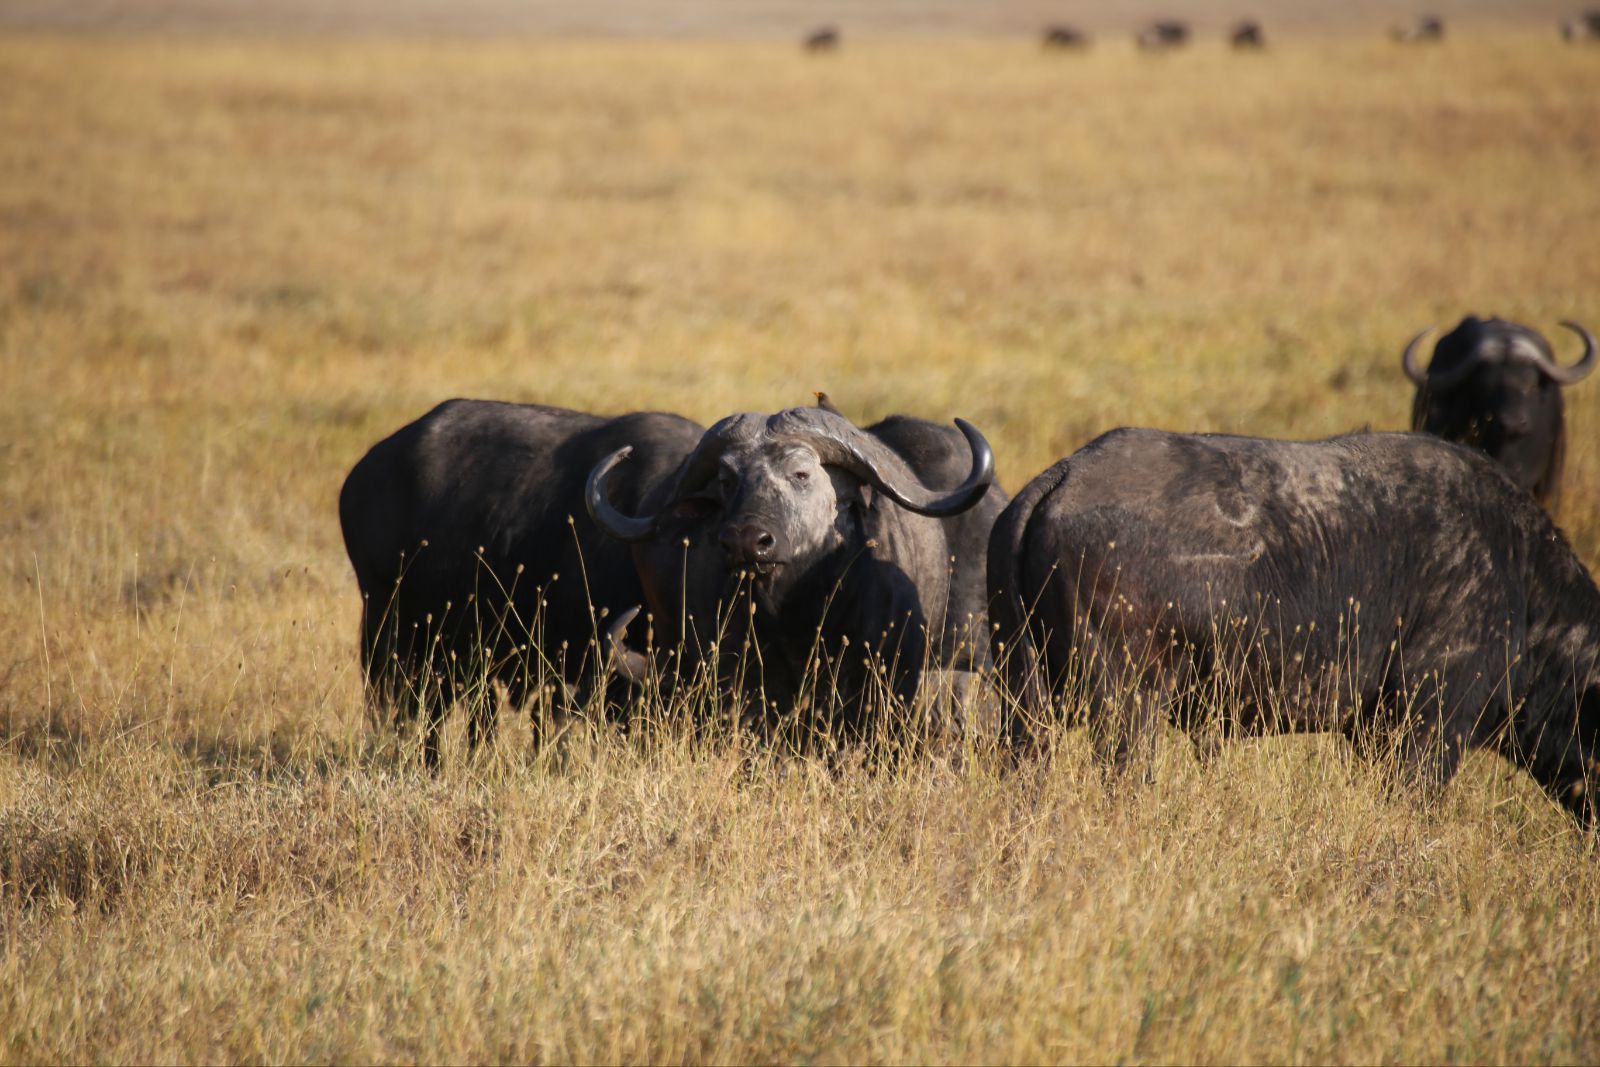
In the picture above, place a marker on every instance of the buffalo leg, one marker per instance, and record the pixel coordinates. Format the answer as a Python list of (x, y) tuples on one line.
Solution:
[(1438, 726), (1026, 696), (1578, 789), (480, 725), (434, 711), (1130, 720), (1563, 755), (1127, 705), (430, 743), (483, 714), (1209, 737), (439, 695)]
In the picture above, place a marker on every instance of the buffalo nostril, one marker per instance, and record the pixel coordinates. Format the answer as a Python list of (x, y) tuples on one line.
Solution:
[(747, 544)]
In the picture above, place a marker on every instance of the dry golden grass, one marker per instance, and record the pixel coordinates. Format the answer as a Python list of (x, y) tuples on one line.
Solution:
[(227, 268)]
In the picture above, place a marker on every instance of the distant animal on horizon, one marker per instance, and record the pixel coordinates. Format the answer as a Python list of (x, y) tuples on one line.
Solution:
[(1495, 386), (822, 39), (1394, 588), (1247, 34), (1064, 37), (478, 563), (1582, 27), (1420, 30), (1163, 34)]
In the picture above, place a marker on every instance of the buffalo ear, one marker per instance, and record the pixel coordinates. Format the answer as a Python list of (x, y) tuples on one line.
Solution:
[(850, 489)]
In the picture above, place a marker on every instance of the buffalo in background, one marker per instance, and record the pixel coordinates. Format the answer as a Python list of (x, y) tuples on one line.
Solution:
[(477, 561), (1582, 27), (1424, 29), (1496, 386), (1064, 37), (822, 39), (797, 558), (1389, 587), (1163, 34), (1247, 35)]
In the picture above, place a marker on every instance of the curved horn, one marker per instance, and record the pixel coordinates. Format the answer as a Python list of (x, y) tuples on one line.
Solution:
[(1437, 381), (1408, 359), (982, 473), (625, 662), (700, 465), (626, 528), (696, 469), (1579, 370), (865, 456)]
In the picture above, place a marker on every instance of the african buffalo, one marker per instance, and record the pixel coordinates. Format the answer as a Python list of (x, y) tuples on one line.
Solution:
[(1423, 29), (1392, 587), (1496, 386), (1582, 27), (822, 39), (1062, 37), (1162, 35), (1247, 34), (476, 559), (797, 556)]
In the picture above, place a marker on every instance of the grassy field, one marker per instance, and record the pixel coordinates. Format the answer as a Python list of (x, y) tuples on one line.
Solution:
[(227, 268)]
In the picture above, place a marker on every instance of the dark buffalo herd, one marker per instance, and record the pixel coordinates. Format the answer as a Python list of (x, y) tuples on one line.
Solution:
[(798, 578), (799, 575), (502, 544), (1165, 34)]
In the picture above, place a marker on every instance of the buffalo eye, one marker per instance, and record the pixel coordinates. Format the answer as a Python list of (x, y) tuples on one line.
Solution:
[(801, 476)]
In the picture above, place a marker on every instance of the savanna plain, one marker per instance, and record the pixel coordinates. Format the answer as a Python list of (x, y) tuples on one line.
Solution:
[(230, 266)]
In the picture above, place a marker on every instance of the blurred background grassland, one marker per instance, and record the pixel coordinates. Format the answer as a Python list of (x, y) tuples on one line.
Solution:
[(228, 266)]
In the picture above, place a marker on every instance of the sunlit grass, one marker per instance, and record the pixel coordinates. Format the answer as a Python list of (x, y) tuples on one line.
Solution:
[(226, 269)]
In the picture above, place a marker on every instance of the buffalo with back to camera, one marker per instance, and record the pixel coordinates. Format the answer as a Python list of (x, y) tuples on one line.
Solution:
[(477, 561), (1390, 587), (1496, 386), (796, 556)]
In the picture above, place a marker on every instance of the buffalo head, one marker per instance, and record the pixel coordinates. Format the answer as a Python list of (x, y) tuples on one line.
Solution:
[(772, 506), (1496, 386)]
